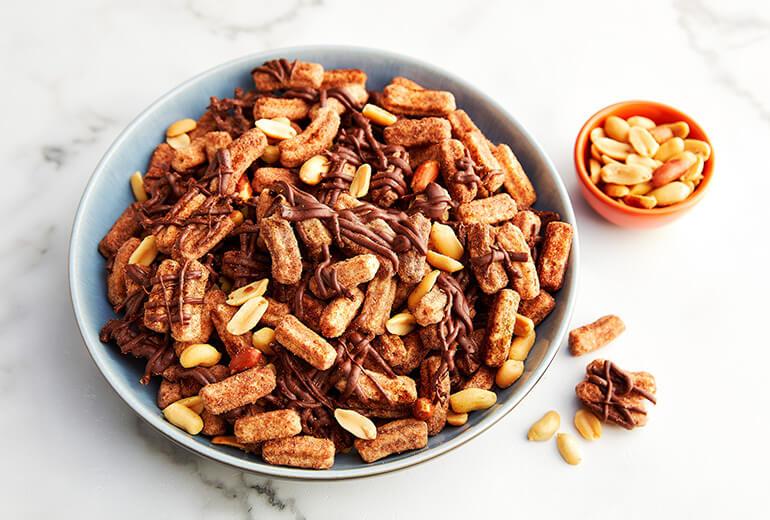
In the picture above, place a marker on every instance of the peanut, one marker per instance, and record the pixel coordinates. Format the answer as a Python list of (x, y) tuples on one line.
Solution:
[(145, 252), (649, 162), (199, 355), (606, 159), (698, 147), (672, 169), (184, 418), (263, 339), (595, 153), (181, 127), (426, 173), (444, 240), (641, 121), (642, 141), (643, 188), (271, 154), (669, 149), (178, 142), (520, 346), (313, 170), (401, 324), (443, 262), (423, 288), (378, 115), (595, 168), (569, 449), (359, 186), (194, 403), (616, 190), (679, 129), (640, 201), (227, 440), (695, 171), (617, 128), (545, 427), (670, 193), (247, 292), (588, 425), (472, 399), (612, 148), (625, 174), (456, 419), (137, 187), (422, 409), (359, 426), (247, 317), (597, 133), (275, 129), (509, 373), (524, 326)]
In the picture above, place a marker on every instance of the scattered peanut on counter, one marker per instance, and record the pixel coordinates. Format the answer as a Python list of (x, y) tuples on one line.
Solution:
[(644, 164)]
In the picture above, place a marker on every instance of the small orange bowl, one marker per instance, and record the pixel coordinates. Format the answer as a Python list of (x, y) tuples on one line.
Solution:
[(622, 214)]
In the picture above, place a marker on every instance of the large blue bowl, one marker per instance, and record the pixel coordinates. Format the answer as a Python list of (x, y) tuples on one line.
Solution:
[(108, 193)]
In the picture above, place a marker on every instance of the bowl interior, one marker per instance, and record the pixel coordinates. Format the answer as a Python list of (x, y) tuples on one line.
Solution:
[(659, 113), (108, 193)]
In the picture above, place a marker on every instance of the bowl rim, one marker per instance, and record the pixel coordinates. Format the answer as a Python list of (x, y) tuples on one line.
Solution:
[(188, 442), (581, 146)]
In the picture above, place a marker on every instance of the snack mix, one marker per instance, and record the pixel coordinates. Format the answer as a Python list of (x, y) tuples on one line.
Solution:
[(311, 267), (643, 164)]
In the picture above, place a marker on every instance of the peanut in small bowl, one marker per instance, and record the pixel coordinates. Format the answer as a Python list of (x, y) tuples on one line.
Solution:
[(661, 195)]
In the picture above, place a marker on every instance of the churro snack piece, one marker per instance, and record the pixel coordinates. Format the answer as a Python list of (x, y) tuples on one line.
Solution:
[(616, 396), (339, 312), (502, 316), (515, 180), (309, 253), (302, 451), (290, 108), (538, 308), (417, 132), (552, 263), (244, 388), (394, 437), (409, 102), (284, 250), (267, 425), (281, 74), (303, 342), (315, 139), (491, 210), (126, 226), (595, 335), (519, 260)]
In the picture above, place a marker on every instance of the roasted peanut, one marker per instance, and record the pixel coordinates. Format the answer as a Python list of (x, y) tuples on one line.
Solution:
[(247, 292), (359, 426), (640, 201), (698, 147), (199, 355), (569, 449), (625, 174), (359, 186), (588, 425), (184, 418), (401, 324), (509, 373), (426, 173), (423, 288), (672, 169), (444, 240), (456, 419), (378, 115), (616, 190), (641, 121), (137, 187), (595, 168), (642, 141), (520, 346), (617, 128), (472, 399), (194, 403), (247, 317), (523, 326), (263, 339), (671, 193), (271, 154), (669, 149), (612, 148), (545, 427), (273, 129), (597, 133), (178, 142), (181, 127), (145, 252), (443, 262), (313, 170)]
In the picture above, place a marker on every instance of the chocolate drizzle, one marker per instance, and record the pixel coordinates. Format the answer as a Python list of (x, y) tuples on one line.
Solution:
[(281, 70), (615, 383)]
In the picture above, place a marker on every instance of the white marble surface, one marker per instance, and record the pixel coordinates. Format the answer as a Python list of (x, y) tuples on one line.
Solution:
[(694, 294)]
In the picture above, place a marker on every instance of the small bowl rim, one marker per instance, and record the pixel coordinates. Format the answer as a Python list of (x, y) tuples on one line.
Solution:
[(582, 143)]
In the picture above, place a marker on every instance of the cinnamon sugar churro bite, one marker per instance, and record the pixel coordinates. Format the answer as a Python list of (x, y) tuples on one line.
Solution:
[(317, 268)]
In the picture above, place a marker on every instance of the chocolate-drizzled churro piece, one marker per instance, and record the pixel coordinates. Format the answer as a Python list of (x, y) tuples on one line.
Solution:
[(125, 227), (290, 108), (405, 101), (502, 317), (464, 129), (406, 83), (616, 396), (431, 307), (537, 308), (259, 427), (236, 159), (221, 313), (116, 280), (515, 180), (302, 451), (274, 313), (168, 393), (491, 210), (483, 378), (392, 349), (486, 261), (176, 300), (412, 262), (529, 224), (417, 132), (284, 249), (372, 386), (265, 178), (403, 290), (394, 437), (243, 388), (377, 305), (416, 350), (282, 74), (337, 277), (170, 228), (315, 139), (342, 77), (213, 424), (315, 236), (349, 84), (200, 150), (457, 171), (339, 312), (437, 393), (552, 263), (303, 342), (519, 260), (198, 237), (156, 180)]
